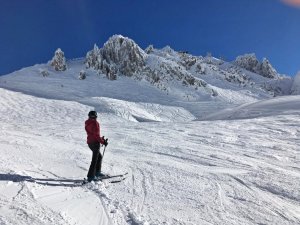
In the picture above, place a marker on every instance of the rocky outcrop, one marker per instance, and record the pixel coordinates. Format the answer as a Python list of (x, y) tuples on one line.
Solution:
[(166, 68), (251, 63), (119, 55), (59, 61), (267, 70)]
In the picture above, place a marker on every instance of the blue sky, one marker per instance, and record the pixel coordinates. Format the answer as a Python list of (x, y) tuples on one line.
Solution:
[(32, 30)]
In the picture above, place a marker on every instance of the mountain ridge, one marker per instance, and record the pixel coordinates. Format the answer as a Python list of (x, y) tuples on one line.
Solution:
[(123, 71), (122, 56)]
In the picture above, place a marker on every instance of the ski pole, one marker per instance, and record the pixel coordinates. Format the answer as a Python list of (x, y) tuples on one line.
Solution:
[(104, 148)]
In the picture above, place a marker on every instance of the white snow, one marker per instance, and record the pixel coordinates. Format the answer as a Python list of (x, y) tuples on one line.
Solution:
[(239, 164), (296, 84)]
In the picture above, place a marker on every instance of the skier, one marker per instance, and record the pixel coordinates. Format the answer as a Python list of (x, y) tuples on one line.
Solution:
[(94, 140)]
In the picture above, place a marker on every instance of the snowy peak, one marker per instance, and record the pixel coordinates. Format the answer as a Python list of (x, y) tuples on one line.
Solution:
[(122, 50), (251, 63), (118, 55)]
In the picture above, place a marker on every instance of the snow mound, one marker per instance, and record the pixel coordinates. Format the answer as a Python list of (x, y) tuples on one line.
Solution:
[(286, 105), (142, 112), (296, 85)]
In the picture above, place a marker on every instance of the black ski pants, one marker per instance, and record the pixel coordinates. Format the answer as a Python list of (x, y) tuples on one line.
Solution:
[(96, 162)]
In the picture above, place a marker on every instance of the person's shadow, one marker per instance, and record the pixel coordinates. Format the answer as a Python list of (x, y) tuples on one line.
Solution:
[(63, 182)]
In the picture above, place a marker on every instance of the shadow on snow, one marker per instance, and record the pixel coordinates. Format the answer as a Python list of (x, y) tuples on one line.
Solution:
[(63, 182)]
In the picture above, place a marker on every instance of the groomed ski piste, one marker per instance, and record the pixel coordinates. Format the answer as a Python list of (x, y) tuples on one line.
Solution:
[(197, 163)]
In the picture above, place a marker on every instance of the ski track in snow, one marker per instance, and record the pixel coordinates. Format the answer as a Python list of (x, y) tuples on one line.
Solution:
[(197, 172)]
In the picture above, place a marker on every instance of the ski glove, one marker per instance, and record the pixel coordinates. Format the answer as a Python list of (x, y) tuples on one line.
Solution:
[(105, 142)]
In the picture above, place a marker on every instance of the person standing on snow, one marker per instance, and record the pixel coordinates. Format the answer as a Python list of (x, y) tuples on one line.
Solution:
[(94, 140)]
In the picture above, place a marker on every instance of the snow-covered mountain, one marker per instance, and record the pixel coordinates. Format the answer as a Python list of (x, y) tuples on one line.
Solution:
[(166, 67), (180, 79), (203, 141)]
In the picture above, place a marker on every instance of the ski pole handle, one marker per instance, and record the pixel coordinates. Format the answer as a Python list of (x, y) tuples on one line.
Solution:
[(105, 141)]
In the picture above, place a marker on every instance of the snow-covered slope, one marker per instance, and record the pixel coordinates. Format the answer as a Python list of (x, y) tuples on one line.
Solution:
[(203, 143), (287, 105), (215, 172)]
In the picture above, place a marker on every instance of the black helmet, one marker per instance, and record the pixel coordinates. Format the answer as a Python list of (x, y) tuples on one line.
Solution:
[(92, 114)]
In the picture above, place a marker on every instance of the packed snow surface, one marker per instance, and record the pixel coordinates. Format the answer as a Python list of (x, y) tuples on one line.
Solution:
[(188, 163)]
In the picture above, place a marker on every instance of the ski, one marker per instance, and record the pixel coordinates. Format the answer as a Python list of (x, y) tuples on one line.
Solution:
[(117, 181), (112, 176), (106, 177)]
